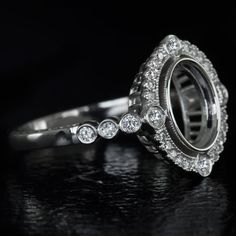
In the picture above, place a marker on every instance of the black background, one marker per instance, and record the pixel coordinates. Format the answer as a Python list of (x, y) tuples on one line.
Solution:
[(53, 59)]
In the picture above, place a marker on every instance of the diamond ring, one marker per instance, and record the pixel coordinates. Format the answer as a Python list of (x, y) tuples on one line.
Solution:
[(177, 105)]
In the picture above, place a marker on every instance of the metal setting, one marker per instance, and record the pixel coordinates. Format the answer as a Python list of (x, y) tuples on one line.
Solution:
[(177, 104), (185, 84)]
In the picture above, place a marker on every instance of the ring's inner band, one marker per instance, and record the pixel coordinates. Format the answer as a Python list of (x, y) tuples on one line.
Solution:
[(98, 111), (193, 104)]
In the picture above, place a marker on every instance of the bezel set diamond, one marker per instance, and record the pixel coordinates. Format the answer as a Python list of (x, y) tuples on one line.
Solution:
[(87, 133), (108, 129), (150, 77), (147, 88), (177, 105), (155, 116), (130, 123)]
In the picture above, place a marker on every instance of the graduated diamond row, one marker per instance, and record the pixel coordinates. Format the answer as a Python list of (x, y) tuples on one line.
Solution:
[(129, 123)]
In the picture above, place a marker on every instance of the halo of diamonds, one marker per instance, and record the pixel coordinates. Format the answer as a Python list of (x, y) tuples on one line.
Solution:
[(146, 90), (149, 77)]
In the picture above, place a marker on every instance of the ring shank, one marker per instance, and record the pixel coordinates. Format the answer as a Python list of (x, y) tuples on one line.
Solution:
[(54, 130)]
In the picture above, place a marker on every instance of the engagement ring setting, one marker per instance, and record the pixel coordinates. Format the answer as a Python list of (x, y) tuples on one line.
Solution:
[(176, 106)]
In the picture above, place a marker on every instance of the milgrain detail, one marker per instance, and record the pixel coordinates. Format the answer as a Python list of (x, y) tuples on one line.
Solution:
[(176, 81), (135, 103), (194, 147)]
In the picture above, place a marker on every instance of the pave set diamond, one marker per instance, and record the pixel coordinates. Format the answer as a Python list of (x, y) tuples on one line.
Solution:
[(156, 116), (172, 46)]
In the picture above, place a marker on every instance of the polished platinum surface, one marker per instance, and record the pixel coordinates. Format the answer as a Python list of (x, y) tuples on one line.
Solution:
[(199, 105), (177, 105), (60, 129)]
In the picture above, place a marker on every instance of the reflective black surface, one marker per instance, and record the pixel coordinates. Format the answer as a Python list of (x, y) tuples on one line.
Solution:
[(57, 59), (111, 188)]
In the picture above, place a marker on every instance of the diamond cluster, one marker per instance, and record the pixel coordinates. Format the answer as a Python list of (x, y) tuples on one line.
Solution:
[(154, 66), (172, 46), (155, 116)]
